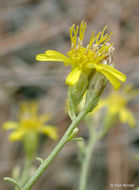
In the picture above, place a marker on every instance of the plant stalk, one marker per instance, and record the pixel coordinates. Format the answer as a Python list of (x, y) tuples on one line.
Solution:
[(86, 162), (92, 101), (94, 137), (53, 154)]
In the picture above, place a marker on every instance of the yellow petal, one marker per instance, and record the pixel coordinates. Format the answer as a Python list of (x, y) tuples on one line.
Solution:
[(17, 135), (10, 125), (114, 81), (73, 77), (43, 57), (126, 116), (50, 131), (114, 72), (123, 115), (56, 54), (51, 55), (110, 73), (113, 108), (44, 118)]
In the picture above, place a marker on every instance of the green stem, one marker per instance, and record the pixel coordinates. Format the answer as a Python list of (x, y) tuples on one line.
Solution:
[(86, 162), (93, 138), (91, 102), (26, 171), (53, 154)]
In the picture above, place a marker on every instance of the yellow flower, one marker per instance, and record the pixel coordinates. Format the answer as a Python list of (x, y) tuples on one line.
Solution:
[(30, 122), (117, 104), (97, 56)]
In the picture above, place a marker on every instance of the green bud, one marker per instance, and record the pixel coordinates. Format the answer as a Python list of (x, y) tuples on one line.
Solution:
[(76, 92), (95, 90)]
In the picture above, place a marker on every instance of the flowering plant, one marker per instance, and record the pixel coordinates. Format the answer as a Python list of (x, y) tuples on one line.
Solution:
[(96, 56), (91, 69), (30, 122)]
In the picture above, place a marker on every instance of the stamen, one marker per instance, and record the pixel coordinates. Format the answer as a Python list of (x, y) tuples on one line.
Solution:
[(82, 30), (91, 40), (73, 35), (103, 31)]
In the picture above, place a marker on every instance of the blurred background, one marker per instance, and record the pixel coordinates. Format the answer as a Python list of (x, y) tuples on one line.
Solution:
[(30, 27)]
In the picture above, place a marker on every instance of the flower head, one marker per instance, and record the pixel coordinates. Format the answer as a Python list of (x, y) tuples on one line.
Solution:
[(30, 122), (95, 57), (117, 104)]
